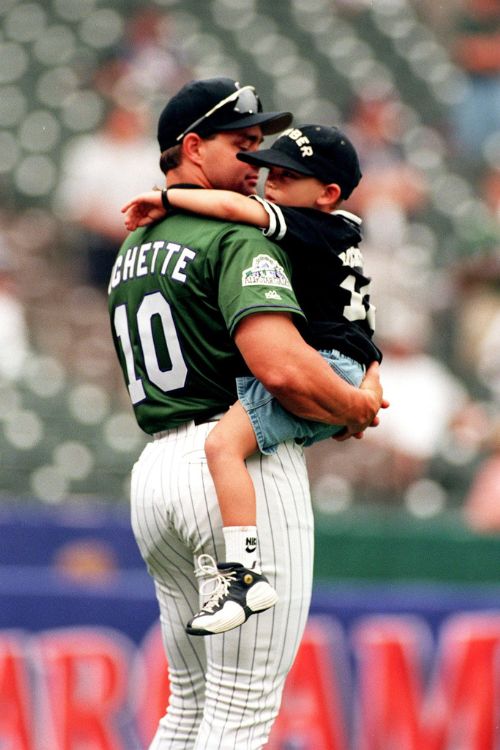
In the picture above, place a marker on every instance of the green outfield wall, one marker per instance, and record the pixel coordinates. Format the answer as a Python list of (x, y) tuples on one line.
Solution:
[(392, 546)]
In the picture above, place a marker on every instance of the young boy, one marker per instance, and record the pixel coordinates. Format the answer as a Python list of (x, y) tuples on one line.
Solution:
[(311, 170)]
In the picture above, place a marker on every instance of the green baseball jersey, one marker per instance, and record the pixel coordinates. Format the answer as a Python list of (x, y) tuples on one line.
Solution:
[(177, 292)]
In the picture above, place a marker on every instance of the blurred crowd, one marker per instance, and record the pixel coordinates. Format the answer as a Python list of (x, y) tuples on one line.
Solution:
[(436, 284)]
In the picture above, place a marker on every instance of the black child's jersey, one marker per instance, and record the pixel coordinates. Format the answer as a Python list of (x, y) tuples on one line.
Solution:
[(328, 277)]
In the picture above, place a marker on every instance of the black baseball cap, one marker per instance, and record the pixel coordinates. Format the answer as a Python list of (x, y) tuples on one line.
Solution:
[(210, 105), (314, 150)]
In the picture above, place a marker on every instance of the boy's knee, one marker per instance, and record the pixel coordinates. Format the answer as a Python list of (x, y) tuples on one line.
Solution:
[(215, 444)]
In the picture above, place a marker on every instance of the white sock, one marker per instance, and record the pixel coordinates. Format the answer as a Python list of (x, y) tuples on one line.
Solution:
[(242, 545)]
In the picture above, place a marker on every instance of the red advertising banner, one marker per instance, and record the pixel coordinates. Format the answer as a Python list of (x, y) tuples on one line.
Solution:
[(385, 686)]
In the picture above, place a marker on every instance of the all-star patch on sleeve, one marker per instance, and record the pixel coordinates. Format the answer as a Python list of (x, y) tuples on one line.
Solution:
[(265, 271), (254, 277)]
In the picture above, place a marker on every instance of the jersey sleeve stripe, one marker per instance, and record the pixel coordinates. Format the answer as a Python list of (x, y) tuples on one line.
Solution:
[(262, 309), (277, 225)]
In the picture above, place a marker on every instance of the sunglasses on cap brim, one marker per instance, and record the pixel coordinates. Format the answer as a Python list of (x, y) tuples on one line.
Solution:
[(246, 102)]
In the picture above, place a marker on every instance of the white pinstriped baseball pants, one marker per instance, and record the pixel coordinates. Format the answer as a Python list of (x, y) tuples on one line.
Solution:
[(225, 689)]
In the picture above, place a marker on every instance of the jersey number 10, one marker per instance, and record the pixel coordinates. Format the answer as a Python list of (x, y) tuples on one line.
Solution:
[(165, 380)]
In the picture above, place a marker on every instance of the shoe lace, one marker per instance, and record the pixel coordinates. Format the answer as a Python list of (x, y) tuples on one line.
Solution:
[(220, 581)]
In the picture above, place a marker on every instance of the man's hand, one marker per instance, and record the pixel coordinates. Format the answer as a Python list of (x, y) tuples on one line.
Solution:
[(370, 383), (299, 377), (356, 432), (143, 209)]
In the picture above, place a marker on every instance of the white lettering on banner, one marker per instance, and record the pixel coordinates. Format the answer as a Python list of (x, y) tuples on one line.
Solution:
[(265, 271), (68, 687)]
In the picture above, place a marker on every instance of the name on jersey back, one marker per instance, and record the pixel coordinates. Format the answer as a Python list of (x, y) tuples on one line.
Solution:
[(159, 257)]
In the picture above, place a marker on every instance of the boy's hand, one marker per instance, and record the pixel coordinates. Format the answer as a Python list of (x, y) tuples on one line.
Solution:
[(143, 209)]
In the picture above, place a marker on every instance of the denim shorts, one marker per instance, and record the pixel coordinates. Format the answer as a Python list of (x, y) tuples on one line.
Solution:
[(273, 424)]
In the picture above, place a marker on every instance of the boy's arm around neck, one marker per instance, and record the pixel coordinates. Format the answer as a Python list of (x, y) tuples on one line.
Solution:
[(220, 204)]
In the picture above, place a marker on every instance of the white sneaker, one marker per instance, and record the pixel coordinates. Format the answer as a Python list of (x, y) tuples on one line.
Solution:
[(238, 593)]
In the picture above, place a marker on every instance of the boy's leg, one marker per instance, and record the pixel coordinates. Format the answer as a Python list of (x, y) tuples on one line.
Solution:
[(229, 443), (273, 425), (239, 588)]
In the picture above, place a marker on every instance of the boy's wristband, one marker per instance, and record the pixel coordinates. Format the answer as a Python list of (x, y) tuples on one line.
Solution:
[(164, 200)]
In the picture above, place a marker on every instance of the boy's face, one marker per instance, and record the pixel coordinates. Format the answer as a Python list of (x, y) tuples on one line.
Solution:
[(289, 188)]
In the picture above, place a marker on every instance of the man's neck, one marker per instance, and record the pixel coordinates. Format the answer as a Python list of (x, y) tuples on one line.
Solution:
[(186, 175)]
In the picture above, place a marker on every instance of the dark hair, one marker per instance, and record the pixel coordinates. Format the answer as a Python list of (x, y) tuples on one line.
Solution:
[(170, 158)]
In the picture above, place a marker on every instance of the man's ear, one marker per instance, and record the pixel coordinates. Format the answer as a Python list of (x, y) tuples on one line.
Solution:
[(330, 196), (191, 147)]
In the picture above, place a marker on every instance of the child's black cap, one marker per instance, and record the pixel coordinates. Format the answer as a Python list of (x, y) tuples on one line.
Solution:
[(313, 150)]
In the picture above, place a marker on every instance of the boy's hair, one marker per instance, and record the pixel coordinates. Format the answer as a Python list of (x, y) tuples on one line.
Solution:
[(313, 150)]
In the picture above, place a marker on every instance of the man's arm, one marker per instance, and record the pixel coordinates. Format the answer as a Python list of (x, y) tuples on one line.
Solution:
[(300, 378)]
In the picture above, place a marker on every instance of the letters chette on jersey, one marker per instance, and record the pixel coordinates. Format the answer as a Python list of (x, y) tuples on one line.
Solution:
[(178, 289)]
